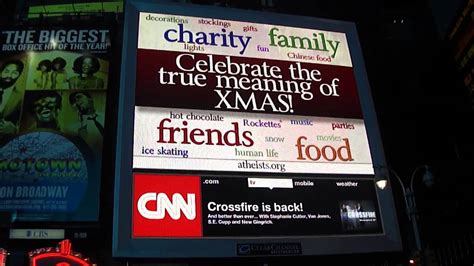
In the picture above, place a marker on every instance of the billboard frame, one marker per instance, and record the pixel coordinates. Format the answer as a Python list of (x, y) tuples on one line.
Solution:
[(125, 246)]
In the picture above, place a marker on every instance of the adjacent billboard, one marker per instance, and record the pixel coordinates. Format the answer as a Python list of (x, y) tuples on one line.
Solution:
[(52, 112), (239, 130), (461, 46)]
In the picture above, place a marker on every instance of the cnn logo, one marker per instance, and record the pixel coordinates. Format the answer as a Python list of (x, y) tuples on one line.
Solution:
[(164, 205)]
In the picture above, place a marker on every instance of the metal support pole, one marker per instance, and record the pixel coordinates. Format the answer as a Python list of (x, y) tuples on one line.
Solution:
[(412, 212), (413, 217)]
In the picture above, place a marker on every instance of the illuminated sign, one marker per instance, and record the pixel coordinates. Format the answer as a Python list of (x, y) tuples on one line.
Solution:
[(3, 257), (226, 106), (245, 130), (54, 85), (59, 10), (63, 255), (167, 206), (36, 233), (213, 206)]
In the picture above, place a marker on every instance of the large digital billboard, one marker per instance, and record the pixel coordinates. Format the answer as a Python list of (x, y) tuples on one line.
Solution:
[(238, 96), (53, 88), (242, 130)]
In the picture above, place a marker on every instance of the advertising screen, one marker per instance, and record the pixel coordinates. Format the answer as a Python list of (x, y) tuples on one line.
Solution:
[(52, 112), (236, 96), (239, 207), (240, 132)]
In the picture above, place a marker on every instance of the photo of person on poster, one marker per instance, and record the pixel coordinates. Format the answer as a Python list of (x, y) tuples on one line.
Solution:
[(42, 76), (45, 106), (90, 125), (86, 66), (11, 97), (346, 225), (59, 79), (358, 216)]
